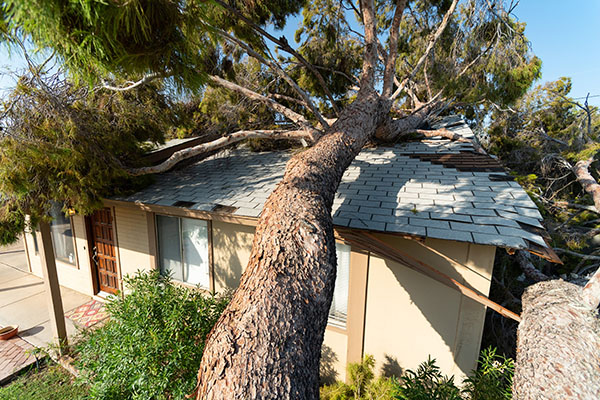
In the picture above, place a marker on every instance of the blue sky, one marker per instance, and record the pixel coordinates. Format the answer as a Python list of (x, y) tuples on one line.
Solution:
[(564, 34)]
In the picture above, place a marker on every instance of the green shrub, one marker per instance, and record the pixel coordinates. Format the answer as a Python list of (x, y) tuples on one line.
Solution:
[(491, 381), (427, 383), (493, 378), (151, 346), (362, 384)]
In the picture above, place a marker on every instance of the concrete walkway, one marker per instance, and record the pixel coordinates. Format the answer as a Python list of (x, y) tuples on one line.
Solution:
[(23, 302)]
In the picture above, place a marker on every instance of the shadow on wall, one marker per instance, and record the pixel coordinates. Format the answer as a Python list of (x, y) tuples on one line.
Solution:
[(438, 305), (391, 367), (231, 250), (327, 372)]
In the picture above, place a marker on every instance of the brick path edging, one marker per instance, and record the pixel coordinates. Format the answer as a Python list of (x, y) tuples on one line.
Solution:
[(14, 356)]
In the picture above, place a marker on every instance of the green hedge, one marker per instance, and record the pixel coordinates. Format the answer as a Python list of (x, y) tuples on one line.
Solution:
[(151, 346)]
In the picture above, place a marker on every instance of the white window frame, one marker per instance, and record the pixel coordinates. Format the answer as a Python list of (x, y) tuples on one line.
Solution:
[(159, 260)]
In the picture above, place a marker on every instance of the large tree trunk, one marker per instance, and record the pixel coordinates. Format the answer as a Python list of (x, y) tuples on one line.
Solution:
[(558, 346), (267, 343)]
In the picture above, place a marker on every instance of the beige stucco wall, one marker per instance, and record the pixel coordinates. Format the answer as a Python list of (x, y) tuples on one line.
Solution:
[(231, 251), (407, 316), (334, 356), (410, 316), (77, 277), (131, 226)]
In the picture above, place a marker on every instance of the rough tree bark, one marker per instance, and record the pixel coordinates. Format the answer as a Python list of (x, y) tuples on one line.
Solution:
[(558, 343), (267, 343), (582, 173)]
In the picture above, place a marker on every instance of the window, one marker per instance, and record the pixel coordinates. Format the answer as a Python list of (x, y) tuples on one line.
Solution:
[(183, 249), (62, 235), (339, 306)]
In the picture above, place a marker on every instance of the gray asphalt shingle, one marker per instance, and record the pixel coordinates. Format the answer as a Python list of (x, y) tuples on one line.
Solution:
[(388, 189)]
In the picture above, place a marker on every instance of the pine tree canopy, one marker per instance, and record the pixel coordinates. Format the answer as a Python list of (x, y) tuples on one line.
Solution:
[(213, 68)]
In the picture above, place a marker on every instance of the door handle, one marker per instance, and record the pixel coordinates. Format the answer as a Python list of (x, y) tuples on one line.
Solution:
[(95, 254)]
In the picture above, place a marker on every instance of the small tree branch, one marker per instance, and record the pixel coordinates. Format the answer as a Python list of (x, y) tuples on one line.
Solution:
[(390, 64), (146, 79), (217, 144), (572, 253), (279, 71), (564, 204), (287, 98), (428, 49), (426, 79), (290, 114), (284, 45)]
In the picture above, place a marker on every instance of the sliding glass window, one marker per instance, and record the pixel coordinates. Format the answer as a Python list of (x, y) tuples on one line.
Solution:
[(183, 249)]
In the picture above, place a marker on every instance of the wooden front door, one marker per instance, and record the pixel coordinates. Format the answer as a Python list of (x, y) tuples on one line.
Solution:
[(103, 251)]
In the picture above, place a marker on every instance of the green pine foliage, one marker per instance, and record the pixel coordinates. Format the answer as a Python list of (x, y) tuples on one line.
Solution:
[(152, 345), (63, 143), (95, 38)]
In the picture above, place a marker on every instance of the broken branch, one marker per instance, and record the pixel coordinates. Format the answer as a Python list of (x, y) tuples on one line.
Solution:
[(530, 271), (582, 173), (217, 144)]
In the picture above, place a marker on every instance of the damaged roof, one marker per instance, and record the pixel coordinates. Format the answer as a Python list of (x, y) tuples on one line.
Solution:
[(434, 188)]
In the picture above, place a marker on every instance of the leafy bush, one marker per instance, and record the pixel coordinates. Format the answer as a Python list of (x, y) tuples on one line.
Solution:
[(427, 383), (151, 346), (493, 378), (491, 381), (362, 384)]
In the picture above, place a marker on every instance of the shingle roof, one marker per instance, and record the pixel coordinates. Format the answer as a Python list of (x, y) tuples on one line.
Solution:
[(431, 188)]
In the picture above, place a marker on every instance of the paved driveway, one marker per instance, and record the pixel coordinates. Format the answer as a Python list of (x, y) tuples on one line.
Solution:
[(23, 299)]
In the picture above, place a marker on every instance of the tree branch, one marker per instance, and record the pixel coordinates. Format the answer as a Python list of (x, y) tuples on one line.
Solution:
[(290, 114), (367, 78), (284, 45), (428, 50), (445, 133), (217, 144), (279, 71), (143, 81), (390, 64), (582, 173), (530, 271), (287, 98), (572, 253), (591, 291)]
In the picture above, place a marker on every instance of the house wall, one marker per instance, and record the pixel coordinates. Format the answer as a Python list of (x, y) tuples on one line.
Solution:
[(131, 226), (410, 316), (78, 276), (394, 313), (231, 251)]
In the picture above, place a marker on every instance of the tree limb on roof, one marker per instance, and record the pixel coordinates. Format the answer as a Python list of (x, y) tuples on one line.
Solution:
[(219, 143)]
